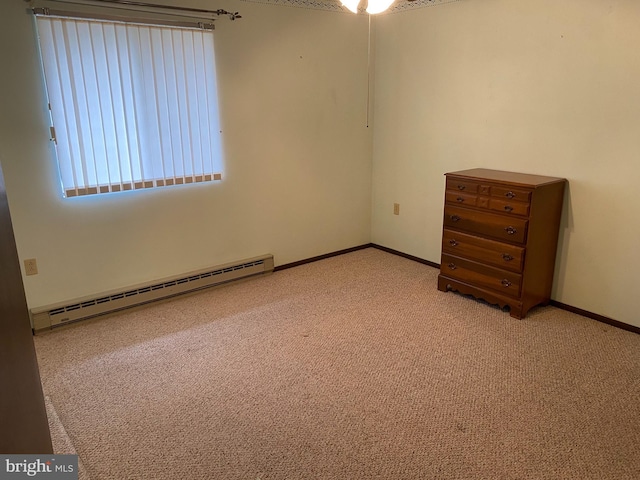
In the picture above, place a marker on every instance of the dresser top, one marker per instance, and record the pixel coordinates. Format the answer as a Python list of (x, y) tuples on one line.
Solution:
[(506, 177)]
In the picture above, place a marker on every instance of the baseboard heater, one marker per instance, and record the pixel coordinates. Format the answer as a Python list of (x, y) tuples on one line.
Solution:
[(50, 316)]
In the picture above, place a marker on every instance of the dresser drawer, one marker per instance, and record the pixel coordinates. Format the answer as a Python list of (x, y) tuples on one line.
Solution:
[(498, 254), (511, 193), (502, 227), (458, 198), (501, 281), (508, 206), (462, 185)]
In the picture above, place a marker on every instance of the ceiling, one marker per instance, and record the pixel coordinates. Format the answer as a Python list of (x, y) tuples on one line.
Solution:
[(336, 6)]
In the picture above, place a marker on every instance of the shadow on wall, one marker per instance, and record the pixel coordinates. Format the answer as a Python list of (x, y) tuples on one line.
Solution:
[(566, 229)]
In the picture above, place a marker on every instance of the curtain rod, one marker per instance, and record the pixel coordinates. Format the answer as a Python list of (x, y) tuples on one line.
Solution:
[(46, 12), (127, 4)]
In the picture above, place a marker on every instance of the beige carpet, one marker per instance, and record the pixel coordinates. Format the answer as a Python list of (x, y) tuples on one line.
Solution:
[(354, 367), (60, 439)]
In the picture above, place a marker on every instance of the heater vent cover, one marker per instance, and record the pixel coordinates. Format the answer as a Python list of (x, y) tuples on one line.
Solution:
[(50, 316)]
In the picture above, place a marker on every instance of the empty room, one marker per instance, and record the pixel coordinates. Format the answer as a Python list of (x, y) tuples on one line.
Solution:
[(300, 239)]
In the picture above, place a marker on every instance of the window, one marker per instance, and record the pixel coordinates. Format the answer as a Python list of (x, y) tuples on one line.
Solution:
[(133, 106)]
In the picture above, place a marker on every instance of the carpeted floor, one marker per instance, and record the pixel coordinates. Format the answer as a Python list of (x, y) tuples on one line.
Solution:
[(354, 367)]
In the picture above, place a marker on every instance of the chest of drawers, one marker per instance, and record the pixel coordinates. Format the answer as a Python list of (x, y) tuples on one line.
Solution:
[(500, 236)]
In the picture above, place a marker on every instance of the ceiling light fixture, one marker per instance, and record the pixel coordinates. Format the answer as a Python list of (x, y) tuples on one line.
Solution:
[(373, 6)]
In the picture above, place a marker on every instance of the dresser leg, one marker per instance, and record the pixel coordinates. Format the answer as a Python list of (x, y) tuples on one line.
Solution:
[(442, 284), (515, 312)]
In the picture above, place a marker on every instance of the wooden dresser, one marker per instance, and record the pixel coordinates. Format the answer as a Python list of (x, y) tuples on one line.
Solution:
[(500, 236)]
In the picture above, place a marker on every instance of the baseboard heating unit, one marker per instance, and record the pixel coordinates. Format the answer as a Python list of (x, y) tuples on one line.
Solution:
[(47, 317)]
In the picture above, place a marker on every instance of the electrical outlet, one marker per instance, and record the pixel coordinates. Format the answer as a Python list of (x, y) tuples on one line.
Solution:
[(30, 266), (396, 209)]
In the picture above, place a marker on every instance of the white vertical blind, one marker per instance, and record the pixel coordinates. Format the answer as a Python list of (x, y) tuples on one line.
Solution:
[(133, 106)]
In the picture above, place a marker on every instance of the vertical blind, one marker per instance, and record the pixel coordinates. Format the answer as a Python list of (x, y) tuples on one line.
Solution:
[(133, 106)]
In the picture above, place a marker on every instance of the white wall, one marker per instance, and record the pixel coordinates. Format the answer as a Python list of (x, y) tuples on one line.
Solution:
[(548, 87), (297, 179), (544, 87)]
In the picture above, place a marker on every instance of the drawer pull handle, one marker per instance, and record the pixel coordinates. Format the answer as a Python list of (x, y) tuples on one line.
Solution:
[(510, 195), (460, 199), (461, 187), (506, 283), (452, 266), (454, 218), (508, 208), (506, 257), (510, 230), (453, 243)]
